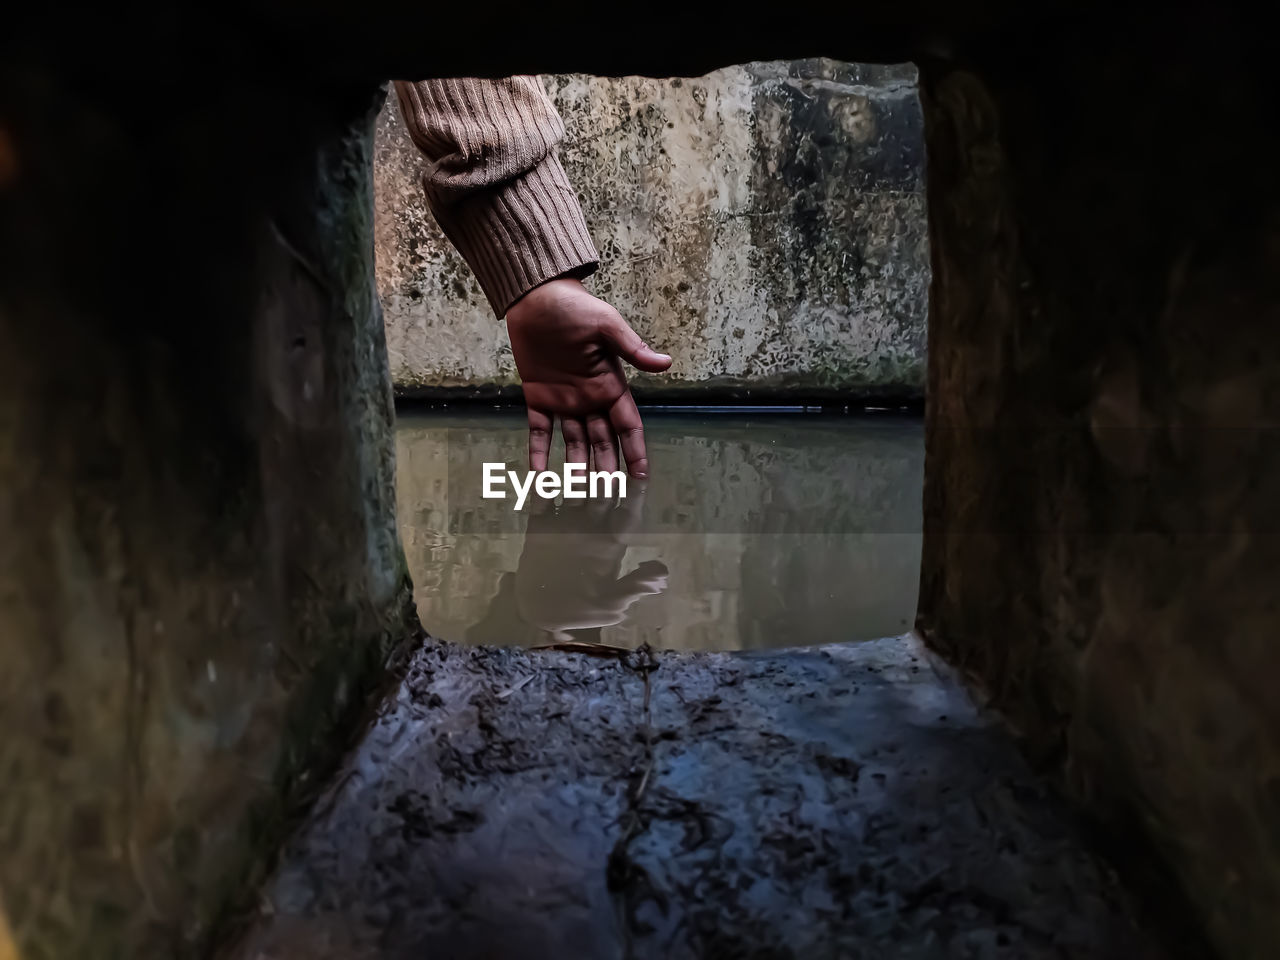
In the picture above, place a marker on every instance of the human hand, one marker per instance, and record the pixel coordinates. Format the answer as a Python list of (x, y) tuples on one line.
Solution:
[(567, 344)]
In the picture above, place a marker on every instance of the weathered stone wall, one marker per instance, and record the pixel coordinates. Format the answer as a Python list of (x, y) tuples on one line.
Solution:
[(200, 578), (1102, 483), (764, 224)]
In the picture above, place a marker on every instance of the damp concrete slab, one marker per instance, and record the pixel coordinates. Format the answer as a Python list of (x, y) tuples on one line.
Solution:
[(838, 801)]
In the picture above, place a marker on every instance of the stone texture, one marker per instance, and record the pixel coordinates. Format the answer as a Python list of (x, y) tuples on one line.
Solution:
[(200, 579), (764, 223), (841, 801), (1102, 481)]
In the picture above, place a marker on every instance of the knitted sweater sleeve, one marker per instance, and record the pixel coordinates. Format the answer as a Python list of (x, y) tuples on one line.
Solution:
[(495, 183)]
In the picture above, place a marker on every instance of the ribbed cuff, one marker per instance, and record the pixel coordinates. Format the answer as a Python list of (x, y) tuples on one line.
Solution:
[(520, 234)]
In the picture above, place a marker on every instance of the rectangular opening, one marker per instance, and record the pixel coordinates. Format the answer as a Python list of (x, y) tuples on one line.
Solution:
[(765, 225)]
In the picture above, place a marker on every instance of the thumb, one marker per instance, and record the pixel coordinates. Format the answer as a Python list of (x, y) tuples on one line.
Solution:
[(631, 348)]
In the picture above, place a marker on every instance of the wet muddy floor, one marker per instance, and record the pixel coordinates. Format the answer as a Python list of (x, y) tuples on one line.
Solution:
[(754, 531), (834, 802)]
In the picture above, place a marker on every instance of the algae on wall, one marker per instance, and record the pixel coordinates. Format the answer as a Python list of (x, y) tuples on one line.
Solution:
[(764, 223)]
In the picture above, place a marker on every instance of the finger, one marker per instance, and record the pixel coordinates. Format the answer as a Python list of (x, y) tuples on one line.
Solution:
[(539, 438), (631, 348), (574, 432), (625, 420), (604, 453)]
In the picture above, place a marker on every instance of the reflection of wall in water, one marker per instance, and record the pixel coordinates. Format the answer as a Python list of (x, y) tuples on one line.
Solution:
[(848, 499), (451, 574), (781, 475), (874, 596)]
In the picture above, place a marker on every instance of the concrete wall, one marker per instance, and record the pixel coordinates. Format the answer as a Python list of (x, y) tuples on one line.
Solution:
[(764, 223), (1102, 479), (200, 578)]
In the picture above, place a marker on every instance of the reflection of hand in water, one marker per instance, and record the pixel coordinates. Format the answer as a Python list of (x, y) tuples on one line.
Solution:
[(568, 577), (569, 573)]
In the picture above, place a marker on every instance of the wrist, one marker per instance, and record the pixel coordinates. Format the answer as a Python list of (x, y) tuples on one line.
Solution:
[(547, 292)]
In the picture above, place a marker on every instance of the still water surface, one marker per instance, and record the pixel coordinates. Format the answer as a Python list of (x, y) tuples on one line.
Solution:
[(753, 531)]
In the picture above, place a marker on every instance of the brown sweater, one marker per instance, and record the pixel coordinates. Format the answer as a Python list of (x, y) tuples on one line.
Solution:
[(494, 181)]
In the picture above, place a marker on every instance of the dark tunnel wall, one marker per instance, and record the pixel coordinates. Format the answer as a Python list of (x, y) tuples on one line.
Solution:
[(1102, 496), (200, 577), (195, 483)]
